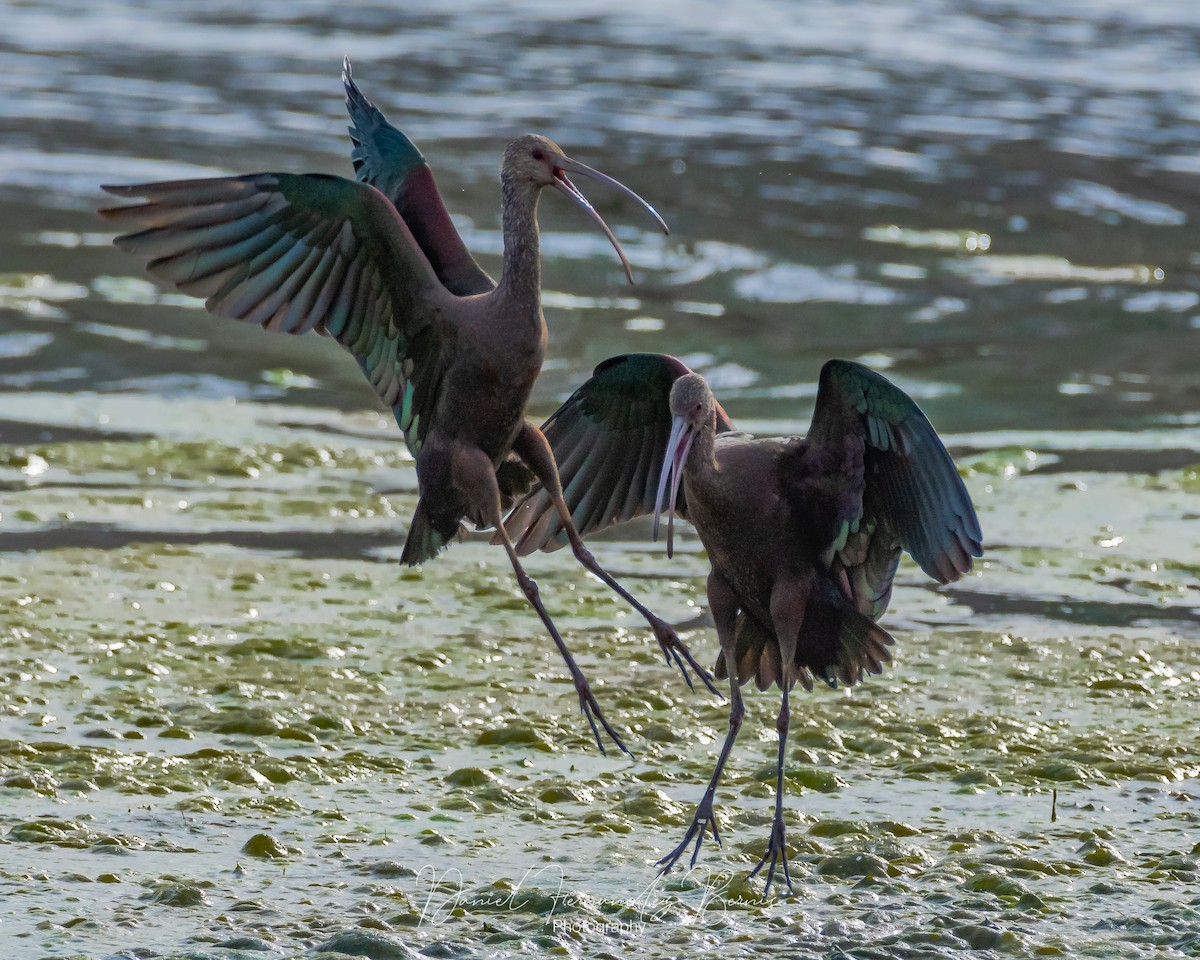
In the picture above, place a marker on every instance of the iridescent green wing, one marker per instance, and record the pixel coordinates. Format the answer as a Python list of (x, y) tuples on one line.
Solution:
[(608, 441), (385, 158), (294, 253), (877, 477)]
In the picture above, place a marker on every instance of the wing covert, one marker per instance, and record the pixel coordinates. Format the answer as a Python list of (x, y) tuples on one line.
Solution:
[(388, 160), (608, 441), (294, 253), (888, 481)]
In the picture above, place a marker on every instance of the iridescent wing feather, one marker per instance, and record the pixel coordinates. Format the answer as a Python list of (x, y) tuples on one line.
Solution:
[(608, 440), (388, 160), (294, 253), (884, 481)]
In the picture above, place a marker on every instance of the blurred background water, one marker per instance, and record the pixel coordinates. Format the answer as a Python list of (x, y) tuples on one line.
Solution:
[(993, 201)]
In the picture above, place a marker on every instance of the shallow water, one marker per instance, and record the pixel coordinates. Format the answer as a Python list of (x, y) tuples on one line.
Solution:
[(233, 726)]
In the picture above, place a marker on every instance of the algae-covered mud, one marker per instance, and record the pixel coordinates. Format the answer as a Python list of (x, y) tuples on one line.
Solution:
[(232, 725)]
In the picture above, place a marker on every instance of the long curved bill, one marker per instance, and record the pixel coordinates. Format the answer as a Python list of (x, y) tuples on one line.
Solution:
[(563, 164), (674, 458)]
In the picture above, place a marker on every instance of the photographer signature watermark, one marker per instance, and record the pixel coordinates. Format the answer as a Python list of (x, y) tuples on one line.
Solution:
[(702, 899)]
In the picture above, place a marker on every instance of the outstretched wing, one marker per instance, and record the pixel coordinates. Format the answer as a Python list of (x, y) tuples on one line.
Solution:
[(608, 441), (294, 253), (874, 467), (385, 158)]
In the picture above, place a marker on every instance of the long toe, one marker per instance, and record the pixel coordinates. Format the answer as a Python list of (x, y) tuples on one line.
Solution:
[(702, 821), (586, 711), (675, 649), (776, 851), (669, 861), (590, 708)]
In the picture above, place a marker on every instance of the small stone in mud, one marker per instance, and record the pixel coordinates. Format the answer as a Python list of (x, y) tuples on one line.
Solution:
[(267, 847), (367, 943), (471, 777), (178, 893)]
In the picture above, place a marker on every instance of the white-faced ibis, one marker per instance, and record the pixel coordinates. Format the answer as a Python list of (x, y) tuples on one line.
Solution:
[(378, 266), (803, 535)]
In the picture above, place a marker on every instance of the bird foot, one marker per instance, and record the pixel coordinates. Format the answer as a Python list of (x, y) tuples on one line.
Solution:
[(704, 819), (675, 650), (590, 708), (776, 850)]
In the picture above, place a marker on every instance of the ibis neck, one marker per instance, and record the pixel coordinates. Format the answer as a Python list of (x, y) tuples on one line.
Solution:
[(701, 459), (521, 279)]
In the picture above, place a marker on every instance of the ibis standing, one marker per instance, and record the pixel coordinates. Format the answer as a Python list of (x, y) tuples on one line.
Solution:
[(803, 535), (377, 265)]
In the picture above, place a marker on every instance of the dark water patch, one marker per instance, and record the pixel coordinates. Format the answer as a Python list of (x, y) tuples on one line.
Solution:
[(338, 431), (1075, 610), (26, 433), (307, 544), (1132, 462)]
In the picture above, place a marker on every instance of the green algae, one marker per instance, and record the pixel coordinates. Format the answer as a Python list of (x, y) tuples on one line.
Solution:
[(197, 460), (252, 732)]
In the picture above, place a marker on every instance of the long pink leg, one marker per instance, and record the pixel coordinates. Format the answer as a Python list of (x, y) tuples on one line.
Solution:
[(723, 603), (531, 446), (473, 471), (788, 602)]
